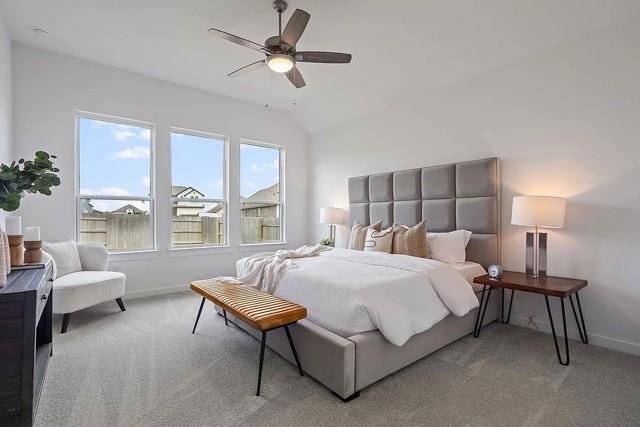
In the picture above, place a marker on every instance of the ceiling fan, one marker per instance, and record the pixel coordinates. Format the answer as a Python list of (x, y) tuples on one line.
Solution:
[(280, 50)]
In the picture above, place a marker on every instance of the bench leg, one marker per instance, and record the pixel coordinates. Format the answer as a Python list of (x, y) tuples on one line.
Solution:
[(198, 317), (262, 344), (293, 350), (225, 318), (121, 304)]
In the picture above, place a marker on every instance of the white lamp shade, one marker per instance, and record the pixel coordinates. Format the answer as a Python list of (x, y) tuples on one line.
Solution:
[(541, 211), (333, 216)]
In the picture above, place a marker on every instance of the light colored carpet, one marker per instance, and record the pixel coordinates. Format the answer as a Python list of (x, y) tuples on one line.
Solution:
[(143, 367)]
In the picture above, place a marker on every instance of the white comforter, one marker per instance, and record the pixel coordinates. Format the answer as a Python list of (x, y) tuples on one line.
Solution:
[(348, 292)]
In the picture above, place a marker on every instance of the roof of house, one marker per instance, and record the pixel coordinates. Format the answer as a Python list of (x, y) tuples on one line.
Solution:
[(217, 208), (178, 190), (269, 194), (265, 197), (127, 207)]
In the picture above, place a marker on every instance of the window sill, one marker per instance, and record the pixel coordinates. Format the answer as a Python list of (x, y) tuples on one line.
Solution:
[(199, 250), (246, 247), (133, 255)]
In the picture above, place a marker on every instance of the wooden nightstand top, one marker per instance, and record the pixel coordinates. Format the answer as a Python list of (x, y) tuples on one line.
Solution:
[(549, 285)]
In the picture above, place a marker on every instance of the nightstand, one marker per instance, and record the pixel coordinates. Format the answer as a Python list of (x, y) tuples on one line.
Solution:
[(549, 286)]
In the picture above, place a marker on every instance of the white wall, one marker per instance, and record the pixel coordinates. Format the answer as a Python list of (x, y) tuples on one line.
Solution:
[(564, 122), (6, 146), (49, 87)]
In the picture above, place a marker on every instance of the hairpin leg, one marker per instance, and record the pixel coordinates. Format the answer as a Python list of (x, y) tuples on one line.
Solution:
[(582, 328), (513, 291), (480, 317), (198, 317), (262, 344), (553, 331)]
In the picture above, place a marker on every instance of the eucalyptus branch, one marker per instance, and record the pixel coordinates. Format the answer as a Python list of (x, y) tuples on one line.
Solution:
[(31, 176)]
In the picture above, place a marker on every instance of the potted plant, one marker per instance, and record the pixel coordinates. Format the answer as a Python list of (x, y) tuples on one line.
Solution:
[(30, 176), (16, 179)]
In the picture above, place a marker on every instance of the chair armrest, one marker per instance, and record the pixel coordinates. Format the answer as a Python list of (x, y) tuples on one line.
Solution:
[(45, 257), (93, 256)]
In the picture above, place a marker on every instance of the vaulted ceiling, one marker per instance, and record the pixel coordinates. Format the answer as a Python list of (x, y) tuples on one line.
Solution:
[(399, 47)]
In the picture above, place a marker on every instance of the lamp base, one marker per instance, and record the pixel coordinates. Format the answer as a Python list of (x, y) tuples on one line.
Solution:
[(536, 254)]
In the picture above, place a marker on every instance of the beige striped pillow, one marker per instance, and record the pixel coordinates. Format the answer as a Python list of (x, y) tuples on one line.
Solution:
[(411, 241), (359, 234)]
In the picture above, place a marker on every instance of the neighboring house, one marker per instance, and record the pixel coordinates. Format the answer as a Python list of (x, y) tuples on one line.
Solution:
[(86, 208), (129, 210), (263, 203), (216, 212), (184, 207)]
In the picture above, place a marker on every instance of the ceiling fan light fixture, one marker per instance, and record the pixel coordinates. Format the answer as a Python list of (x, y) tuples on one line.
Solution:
[(280, 63)]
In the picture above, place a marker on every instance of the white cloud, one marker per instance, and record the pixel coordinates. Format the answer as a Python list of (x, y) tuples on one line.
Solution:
[(145, 134), (275, 164), (249, 184), (111, 205), (218, 184), (123, 135), (256, 168), (146, 182), (108, 191), (131, 153)]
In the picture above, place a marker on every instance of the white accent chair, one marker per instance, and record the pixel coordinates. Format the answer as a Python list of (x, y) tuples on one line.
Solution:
[(93, 285)]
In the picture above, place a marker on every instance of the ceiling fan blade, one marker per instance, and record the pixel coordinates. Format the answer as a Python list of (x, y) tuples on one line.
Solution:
[(236, 39), (323, 57), (295, 77), (242, 70), (295, 27)]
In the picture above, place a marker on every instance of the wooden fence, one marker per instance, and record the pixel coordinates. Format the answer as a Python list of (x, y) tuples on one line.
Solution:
[(133, 232)]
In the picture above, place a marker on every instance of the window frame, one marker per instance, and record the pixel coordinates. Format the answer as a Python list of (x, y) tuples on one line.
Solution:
[(225, 187), (281, 178), (151, 199)]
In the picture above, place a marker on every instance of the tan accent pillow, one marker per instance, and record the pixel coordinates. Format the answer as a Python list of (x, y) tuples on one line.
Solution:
[(359, 234), (411, 241), (379, 241)]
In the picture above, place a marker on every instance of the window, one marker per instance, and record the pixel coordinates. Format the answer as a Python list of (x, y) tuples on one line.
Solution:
[(198, 189), (115, 200), (261, 202)]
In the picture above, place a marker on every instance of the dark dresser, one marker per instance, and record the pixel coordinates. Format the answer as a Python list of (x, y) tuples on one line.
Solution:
[(26, 306)]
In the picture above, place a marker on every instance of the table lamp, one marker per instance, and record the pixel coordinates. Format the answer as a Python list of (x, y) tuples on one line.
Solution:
[(333, 217), (538, 211)]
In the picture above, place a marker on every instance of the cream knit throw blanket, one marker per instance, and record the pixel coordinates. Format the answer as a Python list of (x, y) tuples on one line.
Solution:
[(264, 270)]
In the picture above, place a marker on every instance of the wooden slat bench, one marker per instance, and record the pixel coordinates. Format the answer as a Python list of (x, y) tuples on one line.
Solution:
[(262, 311)]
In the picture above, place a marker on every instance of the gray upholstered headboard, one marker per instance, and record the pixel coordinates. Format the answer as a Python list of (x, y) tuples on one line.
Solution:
[(457, 196)]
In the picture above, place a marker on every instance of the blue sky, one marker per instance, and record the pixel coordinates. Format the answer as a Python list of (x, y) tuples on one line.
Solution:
[(259, 168), (115, 160)]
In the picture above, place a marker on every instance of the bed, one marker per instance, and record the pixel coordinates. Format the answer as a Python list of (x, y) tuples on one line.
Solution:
[(340, 349)]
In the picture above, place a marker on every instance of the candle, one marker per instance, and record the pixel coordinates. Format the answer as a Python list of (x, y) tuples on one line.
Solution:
[(14, 226), (32, 234)]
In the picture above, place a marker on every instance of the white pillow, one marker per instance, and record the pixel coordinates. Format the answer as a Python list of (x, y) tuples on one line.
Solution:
[(379, 241), (65, 255), (449, 247)]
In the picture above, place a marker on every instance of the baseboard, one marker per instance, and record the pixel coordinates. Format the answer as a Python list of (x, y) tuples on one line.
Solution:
[(599, 340), (156, 291)]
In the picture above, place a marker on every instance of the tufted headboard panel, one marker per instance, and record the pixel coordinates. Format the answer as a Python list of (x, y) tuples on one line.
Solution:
[(462, 195)]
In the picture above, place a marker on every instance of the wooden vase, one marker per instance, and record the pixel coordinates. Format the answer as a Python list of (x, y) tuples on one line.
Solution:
[(16, 250), (33, 252)]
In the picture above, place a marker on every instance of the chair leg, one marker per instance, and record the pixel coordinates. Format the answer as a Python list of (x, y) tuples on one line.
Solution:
[(65, 322), (121, 304)]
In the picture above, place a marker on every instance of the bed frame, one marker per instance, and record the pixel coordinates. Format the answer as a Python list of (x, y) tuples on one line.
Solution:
[(456, 196)]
